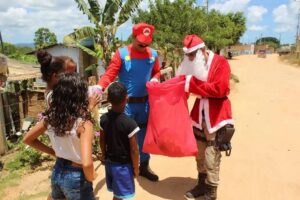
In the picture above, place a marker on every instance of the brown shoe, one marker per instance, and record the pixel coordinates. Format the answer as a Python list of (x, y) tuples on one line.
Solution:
[(199, 189), (210, 192)]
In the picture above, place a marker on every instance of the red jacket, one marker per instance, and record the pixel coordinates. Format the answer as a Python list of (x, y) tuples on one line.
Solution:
[(214, 101)]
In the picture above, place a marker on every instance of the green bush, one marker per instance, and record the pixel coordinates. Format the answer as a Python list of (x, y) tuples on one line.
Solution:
[(27, 156)]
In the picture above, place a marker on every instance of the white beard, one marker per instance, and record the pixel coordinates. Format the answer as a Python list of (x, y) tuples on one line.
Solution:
[(197, 67)]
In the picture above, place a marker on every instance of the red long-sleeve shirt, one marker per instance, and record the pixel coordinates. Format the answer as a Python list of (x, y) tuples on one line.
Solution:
[(116, 64)]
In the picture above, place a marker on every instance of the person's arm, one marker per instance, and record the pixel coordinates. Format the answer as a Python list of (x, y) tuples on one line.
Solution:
[(102, 146), (112, 71), (86, 139), (31, 138), (94, 99), (134, 153), (133, 129), (218, 88), (156, 71)]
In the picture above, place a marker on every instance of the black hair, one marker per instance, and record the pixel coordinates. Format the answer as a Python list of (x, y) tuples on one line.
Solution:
[(117, 93), (49, 64), (69, 102)]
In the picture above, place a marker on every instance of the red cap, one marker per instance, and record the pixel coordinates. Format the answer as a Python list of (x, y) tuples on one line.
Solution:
[(192, 43), (143, 32)]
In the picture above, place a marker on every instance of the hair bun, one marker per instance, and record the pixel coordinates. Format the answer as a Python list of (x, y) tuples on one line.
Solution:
[(43, 57)]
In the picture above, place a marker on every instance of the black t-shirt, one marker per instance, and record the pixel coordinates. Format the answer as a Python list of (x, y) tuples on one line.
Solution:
[(118, 128)]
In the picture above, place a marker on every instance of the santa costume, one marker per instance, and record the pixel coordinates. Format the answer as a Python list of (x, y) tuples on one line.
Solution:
[(212, 87)]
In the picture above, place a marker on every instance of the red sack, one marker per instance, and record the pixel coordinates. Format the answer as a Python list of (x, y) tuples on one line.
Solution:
[(169, 130)]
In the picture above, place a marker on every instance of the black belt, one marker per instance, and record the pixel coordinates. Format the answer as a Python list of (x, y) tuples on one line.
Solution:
[(142, 125), (137, 99), (203, 139), (218, 98)]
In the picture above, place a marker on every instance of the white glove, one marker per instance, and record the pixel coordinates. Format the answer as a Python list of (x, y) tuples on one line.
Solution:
[(154, 80)]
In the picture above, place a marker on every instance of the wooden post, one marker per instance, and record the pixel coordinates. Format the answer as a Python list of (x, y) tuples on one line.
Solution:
[(3, 145)]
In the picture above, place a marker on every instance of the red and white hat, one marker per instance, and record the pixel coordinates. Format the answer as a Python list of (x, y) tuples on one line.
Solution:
[(192, 43), (143, 32)]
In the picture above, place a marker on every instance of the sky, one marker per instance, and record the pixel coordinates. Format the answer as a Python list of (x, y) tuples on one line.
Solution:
[(19, 19)]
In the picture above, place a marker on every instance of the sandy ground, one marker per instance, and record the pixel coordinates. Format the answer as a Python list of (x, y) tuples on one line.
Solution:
[(265, 161)]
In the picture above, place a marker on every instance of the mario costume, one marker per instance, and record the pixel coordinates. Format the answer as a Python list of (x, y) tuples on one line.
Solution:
[(135, 66), (210, 113)]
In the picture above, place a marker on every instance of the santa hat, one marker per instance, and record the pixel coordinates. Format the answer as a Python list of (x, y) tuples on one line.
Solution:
[(192, 43)]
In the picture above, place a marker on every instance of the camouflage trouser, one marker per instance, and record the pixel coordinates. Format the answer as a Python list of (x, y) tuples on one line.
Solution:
[(208, 158)]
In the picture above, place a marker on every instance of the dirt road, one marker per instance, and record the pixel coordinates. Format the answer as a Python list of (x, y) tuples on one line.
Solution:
[(265, 161)]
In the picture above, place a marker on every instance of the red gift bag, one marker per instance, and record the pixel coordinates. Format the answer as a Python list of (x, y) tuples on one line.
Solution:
[(169, 130)]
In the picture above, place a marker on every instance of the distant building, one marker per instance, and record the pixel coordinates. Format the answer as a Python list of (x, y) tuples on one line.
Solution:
[(236, 50), (82, 59), (266, 47)]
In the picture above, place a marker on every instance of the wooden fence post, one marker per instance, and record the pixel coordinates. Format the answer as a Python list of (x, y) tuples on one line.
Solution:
[(3, 144)]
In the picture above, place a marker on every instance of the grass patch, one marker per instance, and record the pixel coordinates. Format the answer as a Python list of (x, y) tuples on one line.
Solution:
[(8, 179), (33, 196), (291, 59)]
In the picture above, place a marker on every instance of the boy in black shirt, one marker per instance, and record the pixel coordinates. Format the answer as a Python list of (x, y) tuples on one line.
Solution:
[(119, 145)]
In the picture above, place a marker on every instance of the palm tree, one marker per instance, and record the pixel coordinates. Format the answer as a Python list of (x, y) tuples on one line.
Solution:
[(106, 21)]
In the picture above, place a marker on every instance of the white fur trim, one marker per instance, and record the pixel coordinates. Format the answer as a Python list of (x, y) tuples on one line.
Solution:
[(187, 83), (195, 124), (154, 80), (207, 119), (220, 125), (194, 48), (210, 59), (200, 111), (134, 132)]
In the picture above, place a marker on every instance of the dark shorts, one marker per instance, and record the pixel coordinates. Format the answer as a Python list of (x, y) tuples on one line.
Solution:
[(120, 179), (68, 182)]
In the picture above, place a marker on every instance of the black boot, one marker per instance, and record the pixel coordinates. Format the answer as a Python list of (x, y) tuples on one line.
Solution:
[(210, 192), (199, 189), (144, 171)]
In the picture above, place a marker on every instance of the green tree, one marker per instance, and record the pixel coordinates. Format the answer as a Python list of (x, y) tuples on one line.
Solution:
[(271, 41), (18, 53), (44, 37), (106, 21), (174, 19)]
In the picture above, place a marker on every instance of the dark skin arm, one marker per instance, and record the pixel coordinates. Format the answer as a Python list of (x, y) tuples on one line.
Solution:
[(134, 153), (102, 146), (31, 138)]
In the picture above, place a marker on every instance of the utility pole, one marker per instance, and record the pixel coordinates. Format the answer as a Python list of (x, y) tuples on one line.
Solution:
[(206, 5), (297, 33), (1, 41)]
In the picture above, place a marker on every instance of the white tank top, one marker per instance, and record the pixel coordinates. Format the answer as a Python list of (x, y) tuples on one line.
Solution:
[(68, 146)]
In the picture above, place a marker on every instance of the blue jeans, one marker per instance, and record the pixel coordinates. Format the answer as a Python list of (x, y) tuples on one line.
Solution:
[(140, 113), (68, 182)]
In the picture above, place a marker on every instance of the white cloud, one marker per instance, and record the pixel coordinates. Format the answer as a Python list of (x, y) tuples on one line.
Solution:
[(25, 17), (256, 13), (227, 6), (285, 17), (257, 28)]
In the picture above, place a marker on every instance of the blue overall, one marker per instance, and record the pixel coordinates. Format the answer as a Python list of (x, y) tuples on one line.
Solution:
[(134, 74)]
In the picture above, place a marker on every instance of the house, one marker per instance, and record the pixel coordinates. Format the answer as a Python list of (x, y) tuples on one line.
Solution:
[(236, 50), (18, 98), (269, 49), (81, 58)]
